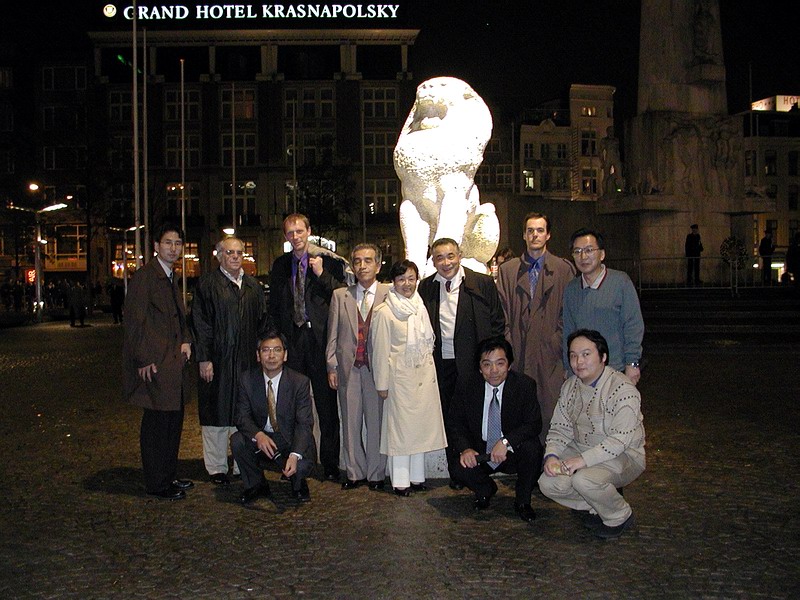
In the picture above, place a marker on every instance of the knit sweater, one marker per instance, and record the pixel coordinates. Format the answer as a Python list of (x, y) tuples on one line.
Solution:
[(613, 310), (602, 422)]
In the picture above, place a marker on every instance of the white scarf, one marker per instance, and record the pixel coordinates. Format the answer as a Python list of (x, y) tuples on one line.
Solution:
[(419, 333)]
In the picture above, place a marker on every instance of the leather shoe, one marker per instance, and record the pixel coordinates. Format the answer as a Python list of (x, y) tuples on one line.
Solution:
[(419, 487), (351, 484), (590, 521), (171, 493), (456, 485), (402, 492), (525, 512), (220, 479), (609, 533), (183, 484), (332, 474), (250, 494), (377, 485), (302, 495), (482, 502)]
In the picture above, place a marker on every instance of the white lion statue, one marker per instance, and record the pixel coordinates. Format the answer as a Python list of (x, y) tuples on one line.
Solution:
[(439, 150)]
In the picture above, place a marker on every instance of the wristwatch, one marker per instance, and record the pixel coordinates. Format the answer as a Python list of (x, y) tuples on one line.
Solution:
[(634, 364)]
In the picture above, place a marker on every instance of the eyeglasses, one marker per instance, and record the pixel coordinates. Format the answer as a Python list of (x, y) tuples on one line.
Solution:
[(271, 349), (236, 252), (587, 252)]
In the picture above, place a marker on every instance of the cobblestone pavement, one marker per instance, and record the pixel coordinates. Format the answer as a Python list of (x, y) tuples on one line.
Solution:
[(716, 509)]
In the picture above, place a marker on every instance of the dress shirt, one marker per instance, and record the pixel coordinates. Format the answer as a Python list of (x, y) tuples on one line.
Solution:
[(237, 280), (448, 307), (370, 298), (488, 390), (166, 267), (275, 382), (597, 282)]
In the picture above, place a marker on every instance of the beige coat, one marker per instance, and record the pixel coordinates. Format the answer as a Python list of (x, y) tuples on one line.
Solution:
[(535, 328), (412, 414)]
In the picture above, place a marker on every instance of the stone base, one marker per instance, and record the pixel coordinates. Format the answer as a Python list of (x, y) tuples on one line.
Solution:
[(436, 465)]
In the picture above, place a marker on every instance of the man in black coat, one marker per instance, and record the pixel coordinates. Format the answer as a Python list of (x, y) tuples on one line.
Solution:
[(464, 308), (494, 425), (229, 312), (275, 423), (300, 288)]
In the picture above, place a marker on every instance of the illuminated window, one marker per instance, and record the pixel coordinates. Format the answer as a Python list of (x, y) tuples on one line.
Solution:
[(379, 103), (119, 107), (172, 105), (69, 242), (172, 151), (589, 181), (770, 162), (378, 147), (589, 111), (192, 262), (245, 198), (588, 142), (245, 149), (64, 78), (191, 198), (529, 180), (381, 196), (503, 175), (245, 103)]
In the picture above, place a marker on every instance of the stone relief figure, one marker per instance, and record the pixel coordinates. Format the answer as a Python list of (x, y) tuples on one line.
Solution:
[(702, 43), (437, 154), (612, 164)]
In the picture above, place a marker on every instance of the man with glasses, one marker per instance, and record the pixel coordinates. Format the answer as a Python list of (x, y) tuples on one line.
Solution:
[(275, 422), (603, 300), (229, 312)]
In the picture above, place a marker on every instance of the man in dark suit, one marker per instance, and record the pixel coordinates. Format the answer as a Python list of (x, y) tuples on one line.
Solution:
[(156, 349), (495, 414), (464, 308), (301, 285), (275, 423)]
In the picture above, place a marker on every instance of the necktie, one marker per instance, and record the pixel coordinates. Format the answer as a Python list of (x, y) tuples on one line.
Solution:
[(364, 305), (298, 307), (533, 277), (447, 285), (493, 429), (273, 416), (171, 279)]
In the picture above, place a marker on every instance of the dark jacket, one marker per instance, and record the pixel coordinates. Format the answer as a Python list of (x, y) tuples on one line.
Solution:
[(479, 316), (226, 322)]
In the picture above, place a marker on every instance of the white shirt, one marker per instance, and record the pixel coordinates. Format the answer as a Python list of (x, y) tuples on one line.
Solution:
[(165, 266), (237, 280), (488, 392), (448, 307), (598, 280), (370, 297), (275, 382)]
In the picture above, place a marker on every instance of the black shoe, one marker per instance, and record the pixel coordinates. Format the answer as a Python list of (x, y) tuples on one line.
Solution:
[(331, 474), (250, 494), (525, 512), (183, 484), (456, 485), (351, 484), (302, 495), (591, 521), (608, 533), (419, 487), (402, 492), (482, 502), (377, 485), (171, 493), (220, 479)]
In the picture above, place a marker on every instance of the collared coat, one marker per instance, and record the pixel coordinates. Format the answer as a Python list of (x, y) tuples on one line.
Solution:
[(155, 328), (227, 322), (534, 327)]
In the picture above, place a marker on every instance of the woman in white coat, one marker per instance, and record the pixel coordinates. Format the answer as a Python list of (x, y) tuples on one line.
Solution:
[(401, 340)]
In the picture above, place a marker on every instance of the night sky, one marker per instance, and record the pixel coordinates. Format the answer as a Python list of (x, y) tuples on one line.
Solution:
[(514, 53)]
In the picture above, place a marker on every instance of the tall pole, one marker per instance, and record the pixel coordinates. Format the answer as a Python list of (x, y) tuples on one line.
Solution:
[(183, 181), (233, 155), (135, 104), (294, 156), (38, 268), (146, 207), (363, 177)]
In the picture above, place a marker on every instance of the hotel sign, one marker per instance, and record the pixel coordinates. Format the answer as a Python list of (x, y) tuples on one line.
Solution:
[(221, 12)]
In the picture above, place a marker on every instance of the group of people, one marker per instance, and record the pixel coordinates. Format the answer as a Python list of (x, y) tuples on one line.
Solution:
[(539, 364)]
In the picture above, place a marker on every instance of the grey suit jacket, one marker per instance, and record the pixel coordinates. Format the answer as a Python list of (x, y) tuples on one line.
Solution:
[(293, 409), (343, 329)]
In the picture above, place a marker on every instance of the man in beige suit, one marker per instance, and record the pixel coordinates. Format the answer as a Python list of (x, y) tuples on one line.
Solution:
[(350, 373)]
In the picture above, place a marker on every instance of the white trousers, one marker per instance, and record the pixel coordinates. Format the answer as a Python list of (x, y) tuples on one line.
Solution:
[(215, 449), (406, 469)]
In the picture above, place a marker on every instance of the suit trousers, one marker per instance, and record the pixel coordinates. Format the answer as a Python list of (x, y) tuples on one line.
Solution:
[(362, 408), (594, 488), (252, 461), (307, 358), (446, 376), (160, 440), (524, 461), (215, 449)]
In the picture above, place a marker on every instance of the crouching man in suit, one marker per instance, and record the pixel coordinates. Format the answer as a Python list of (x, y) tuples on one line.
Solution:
[(275, 423), (495, 422)]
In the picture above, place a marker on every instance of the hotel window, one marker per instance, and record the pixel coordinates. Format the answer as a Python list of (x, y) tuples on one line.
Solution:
[(589, 111), (69, 242), (379, 103), (494, 146), (172, 151), (588, 142), (172, 105), (245, 149), (316, 148), (63, 78), (119, 107), (749, 163), (381, 196), (245, 198), (64, 157), (244, 101), (192, 262), (120, 152), (483, 178), (560, 180), (589, 181), (792, 162), (770, 162), (792, 197), (561, 151), (545, 151), (529, 180), (191, 199), (378, 147), (503, 176), (528, 155)]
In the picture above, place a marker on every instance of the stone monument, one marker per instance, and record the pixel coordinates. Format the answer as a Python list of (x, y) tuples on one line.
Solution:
[(437, 154)]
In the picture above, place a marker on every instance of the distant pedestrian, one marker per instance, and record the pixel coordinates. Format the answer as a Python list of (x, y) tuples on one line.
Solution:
[(116, 294), (793, 258), (78, 299), (766, 248), (693, 248)]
